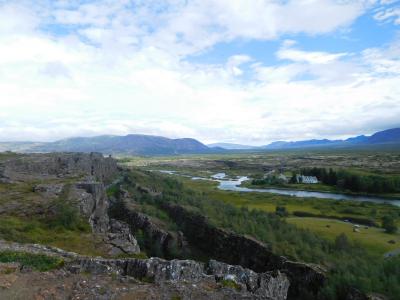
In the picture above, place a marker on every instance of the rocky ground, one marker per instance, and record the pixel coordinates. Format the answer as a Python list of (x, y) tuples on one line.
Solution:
[(61, 284), (83, 277)]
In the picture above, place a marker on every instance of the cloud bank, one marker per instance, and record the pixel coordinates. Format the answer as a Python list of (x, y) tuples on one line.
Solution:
[(82, 68)]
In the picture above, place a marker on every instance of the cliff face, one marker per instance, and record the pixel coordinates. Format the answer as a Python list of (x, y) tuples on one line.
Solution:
[(159, 272), (238, 249), (59, 165), (78, 179), (90, 197)]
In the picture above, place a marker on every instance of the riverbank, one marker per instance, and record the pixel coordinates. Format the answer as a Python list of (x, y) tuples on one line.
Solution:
[(317, 188)]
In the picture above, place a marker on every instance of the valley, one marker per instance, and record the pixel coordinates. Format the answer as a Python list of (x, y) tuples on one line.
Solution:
[(147, 224)]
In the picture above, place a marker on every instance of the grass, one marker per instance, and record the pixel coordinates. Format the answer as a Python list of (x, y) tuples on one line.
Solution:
[(38, 262), (28, 230), (320, 187), (374, 239), (268, 202), (140, 255), (230, 284)]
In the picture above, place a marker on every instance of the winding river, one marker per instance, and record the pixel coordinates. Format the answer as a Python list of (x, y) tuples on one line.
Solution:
[(226, 184)]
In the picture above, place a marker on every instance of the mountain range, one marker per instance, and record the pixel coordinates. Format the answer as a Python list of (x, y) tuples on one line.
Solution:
[(156, 145), (113, 144), (386, 137)]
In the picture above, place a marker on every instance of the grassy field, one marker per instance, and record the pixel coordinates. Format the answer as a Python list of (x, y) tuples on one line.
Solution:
[(374, 239)]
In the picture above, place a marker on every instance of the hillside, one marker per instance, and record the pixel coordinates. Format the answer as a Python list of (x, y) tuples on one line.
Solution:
[(129, 144), (381, 138), (230, 146)]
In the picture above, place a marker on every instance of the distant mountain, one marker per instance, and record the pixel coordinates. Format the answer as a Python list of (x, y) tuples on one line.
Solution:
[(300, 144), (386, 137), (18, 146), (129, 144), (230, 146), (357, 140), (156, 145)]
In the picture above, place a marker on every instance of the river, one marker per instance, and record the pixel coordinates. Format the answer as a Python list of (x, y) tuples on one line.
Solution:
[(234, 185)]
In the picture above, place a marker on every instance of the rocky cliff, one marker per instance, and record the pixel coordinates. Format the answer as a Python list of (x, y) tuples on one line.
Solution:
[(184, 273), (243, 250), (58, 165)]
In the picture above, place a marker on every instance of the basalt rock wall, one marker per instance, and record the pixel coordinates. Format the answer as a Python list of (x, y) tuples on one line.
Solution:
[(241, 250), (47, 165)]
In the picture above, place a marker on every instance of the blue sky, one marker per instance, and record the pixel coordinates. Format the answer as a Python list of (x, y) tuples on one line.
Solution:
[(217, 70)]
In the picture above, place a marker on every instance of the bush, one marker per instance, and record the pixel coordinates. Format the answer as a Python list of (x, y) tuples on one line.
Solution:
[(281, 211), (342, 243), (388, 223), (38, 262), (66, 216)]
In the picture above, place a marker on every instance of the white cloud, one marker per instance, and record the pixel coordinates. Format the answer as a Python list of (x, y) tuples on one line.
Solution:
[(390, 14), (121, 67), (234, 63), (313, 57)]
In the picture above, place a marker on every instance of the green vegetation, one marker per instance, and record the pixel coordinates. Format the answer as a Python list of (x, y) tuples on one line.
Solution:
[(348, 261), (38, 262), (373, 240), (66, 217), (388, 222), (281, 211), (230, 284), (355, 181), (34, 230)]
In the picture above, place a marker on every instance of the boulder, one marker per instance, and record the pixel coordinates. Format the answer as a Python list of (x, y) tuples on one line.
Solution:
[(268, 285), (121, 239)]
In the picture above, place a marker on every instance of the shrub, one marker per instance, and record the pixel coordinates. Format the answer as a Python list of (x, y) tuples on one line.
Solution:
[(38, 262), (388, 223), (281, 211)]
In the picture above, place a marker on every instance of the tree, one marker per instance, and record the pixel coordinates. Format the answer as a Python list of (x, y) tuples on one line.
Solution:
[(281, 211), (388, 223), (342, 242), (293, 179)]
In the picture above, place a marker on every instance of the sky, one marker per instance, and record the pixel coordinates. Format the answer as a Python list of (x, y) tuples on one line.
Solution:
[(238, 71)]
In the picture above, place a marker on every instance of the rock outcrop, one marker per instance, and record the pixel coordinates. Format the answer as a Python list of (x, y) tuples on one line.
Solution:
[(156, 237), (251, 285), (233, 248), (91, 199), (121, 239), (88, 194), (269, 285), (53, 165)]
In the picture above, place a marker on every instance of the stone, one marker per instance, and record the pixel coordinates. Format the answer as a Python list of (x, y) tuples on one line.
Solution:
[(50, 190), (159, 238), (8, 268), (92, 201), (268, 285), (121, 239)]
